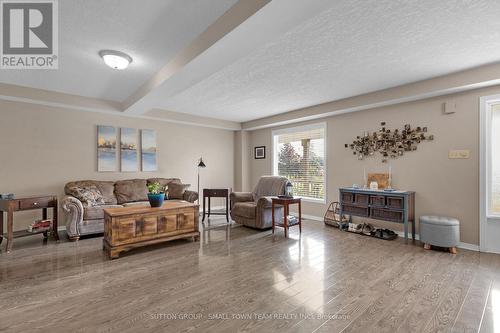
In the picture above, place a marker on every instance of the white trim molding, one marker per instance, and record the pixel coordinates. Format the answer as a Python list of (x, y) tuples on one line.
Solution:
[(461, 245), (488, 226)]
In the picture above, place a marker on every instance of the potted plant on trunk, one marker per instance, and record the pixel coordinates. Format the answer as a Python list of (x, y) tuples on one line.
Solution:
[(156, 195)]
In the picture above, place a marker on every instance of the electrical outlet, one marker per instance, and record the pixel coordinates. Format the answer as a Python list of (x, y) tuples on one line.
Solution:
[(459, 154)]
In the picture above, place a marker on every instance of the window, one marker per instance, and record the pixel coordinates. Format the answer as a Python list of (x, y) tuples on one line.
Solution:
[(494, 202), (299, 155)]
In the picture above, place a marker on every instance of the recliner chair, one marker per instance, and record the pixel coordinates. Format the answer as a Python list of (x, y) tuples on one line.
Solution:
[(253, 209)]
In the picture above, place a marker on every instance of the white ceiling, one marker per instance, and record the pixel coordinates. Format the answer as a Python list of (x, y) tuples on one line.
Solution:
[(327, 50), (352, 48), (151, 32)]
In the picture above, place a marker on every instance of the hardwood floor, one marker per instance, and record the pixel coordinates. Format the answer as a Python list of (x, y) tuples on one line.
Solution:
[(238, 279)]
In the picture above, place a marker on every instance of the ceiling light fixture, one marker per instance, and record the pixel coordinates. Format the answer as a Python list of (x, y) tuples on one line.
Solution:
[(115, 59)]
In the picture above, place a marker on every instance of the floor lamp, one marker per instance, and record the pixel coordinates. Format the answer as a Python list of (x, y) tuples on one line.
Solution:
[(200, 165)]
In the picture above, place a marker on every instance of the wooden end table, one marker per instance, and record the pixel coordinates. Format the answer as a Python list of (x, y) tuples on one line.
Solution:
[(216, 193), (10, 206), (286, 202)]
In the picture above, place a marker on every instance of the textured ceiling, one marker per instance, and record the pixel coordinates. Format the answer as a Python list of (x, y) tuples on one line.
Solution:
[(151, 31), (289, 55), (353, 47)]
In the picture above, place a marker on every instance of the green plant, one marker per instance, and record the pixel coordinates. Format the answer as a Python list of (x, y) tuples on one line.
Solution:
[(155, 188)]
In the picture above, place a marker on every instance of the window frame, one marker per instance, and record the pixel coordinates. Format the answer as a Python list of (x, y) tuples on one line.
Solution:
[(486, 116), (274, 139)]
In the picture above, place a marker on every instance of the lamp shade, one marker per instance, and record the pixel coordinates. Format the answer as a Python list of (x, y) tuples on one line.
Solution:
[(201, 164)]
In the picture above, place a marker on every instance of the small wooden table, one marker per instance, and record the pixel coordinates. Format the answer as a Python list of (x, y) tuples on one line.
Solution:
[(10, 206), (131, 227), (216, 193), (286, 202)]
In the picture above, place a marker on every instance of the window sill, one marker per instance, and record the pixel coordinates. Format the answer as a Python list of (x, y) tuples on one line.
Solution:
[(493, 217)]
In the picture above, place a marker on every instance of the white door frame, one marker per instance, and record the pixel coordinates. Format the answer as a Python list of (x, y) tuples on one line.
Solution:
[(485, 245)]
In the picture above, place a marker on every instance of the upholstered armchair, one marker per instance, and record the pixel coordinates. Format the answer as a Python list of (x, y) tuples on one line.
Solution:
[(253, 209)]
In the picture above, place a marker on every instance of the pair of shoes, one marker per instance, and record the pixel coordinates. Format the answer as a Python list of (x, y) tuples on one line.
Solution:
[(384, 234), (367, 229)]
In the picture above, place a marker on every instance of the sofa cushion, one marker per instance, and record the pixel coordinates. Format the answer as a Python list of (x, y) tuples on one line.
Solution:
[(136, 204), (96, 212), (108, 191), (131, 190), (107, 188), (164, 181), (176, 190), (89, 195), (245, 209)]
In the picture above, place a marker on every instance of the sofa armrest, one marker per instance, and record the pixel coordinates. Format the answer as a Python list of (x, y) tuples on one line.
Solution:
[(235, 197), (73, 215), (190, 196), (264, 202)]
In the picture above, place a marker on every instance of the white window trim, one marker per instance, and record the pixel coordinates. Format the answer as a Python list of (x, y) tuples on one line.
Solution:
[(298, 129), (486, 104)]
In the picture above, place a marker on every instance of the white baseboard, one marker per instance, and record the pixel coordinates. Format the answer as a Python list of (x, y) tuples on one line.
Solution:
[(462, 245), (490, 250), (311, 217), (213, 208)]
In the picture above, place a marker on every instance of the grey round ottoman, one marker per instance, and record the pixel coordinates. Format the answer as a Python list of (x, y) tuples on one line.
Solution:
[(440, 231)]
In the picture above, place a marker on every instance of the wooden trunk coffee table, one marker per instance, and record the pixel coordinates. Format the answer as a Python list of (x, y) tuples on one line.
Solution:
[(130, 227)]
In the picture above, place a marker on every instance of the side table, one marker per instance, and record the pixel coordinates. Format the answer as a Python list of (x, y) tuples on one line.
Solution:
[(10, 206), (286, 202), (216, 193)]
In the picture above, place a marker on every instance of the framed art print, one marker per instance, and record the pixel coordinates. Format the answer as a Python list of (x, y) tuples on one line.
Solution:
[(128, 149), (106, 149), (260, 152), (148, 148)]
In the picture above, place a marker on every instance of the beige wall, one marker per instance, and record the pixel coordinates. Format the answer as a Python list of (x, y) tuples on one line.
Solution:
[(42, 148), (443, 186)]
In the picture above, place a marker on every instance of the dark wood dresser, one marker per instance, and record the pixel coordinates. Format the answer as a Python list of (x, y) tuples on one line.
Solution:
[(391, 206)]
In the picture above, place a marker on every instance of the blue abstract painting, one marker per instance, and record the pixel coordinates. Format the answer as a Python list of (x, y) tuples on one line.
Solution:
[(106, 148), (128, 149), (148, 147)]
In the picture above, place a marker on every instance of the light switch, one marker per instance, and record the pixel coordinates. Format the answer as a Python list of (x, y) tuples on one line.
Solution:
[(457, 154)]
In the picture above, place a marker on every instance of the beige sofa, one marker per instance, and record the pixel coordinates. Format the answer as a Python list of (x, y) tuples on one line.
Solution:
[(82, 220), (253, 209)]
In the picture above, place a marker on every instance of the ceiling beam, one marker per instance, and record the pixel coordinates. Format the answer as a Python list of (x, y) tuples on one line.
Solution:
[(231, 19), (474, 78)]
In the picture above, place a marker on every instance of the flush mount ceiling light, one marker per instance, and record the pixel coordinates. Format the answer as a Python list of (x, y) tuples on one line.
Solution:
[(115, 59)]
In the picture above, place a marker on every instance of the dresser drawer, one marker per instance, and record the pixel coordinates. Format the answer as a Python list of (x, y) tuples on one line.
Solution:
[(361, 199), (355, 210), (347, 197), (222, 192), (387, 215), (34, 203), (395, 202), (377, 200)]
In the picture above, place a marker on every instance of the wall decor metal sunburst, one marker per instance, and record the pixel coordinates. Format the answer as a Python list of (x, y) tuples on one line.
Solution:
[(390, 144)]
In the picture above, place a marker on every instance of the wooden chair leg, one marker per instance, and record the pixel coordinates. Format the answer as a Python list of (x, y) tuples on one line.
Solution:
[(427, 246), (453, 250)]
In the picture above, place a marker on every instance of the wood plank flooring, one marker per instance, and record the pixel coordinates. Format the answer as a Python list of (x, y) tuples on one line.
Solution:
[(242, 280)]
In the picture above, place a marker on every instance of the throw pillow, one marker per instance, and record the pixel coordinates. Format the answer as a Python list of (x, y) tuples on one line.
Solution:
[(131, 190), (176, 191), (90, 196)]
